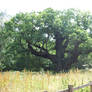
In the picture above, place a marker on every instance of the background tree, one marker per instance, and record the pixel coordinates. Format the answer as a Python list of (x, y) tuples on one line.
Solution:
[(2, 38)]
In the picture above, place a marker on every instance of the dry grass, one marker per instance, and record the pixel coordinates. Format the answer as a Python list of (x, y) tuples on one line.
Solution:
[(37, 82)]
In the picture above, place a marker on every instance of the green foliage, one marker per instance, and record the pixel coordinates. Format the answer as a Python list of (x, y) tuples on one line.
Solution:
[(30, 62), (61, 37)]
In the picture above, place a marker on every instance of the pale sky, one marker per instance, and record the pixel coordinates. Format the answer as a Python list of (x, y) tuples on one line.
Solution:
[(14, 6)]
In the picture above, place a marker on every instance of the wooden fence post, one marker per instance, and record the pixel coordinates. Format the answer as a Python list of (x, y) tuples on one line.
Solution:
[(91, 87), (70, 88)]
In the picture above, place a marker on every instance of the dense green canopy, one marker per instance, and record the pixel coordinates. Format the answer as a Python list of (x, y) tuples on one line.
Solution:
[(60, 36)]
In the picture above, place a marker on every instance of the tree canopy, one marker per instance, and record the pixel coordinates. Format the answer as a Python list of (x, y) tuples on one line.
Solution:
[(60, 36)]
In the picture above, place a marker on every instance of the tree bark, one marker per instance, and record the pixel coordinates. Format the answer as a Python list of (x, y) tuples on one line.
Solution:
[(74, 56), (59, 52)]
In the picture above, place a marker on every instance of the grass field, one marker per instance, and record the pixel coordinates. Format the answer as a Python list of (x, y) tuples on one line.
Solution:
[(38, 82)]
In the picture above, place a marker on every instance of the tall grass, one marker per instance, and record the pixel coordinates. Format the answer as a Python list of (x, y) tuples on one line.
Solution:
[(38, 82)]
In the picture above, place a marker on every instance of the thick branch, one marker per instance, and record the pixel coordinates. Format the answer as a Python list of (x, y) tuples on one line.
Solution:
[(65, 45), (41, 48), (44, 54)]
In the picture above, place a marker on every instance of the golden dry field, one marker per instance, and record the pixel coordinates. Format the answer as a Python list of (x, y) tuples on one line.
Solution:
[(38, 82)]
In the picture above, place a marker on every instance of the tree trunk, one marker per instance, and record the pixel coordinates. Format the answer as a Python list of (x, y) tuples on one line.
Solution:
[(59, 52), (74, 56), (59, 64)]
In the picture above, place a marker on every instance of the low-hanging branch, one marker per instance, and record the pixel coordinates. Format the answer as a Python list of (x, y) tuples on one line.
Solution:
[(41, 48), (44, 54)]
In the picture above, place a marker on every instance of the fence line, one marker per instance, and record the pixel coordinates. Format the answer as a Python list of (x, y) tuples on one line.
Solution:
[(72, 89)]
